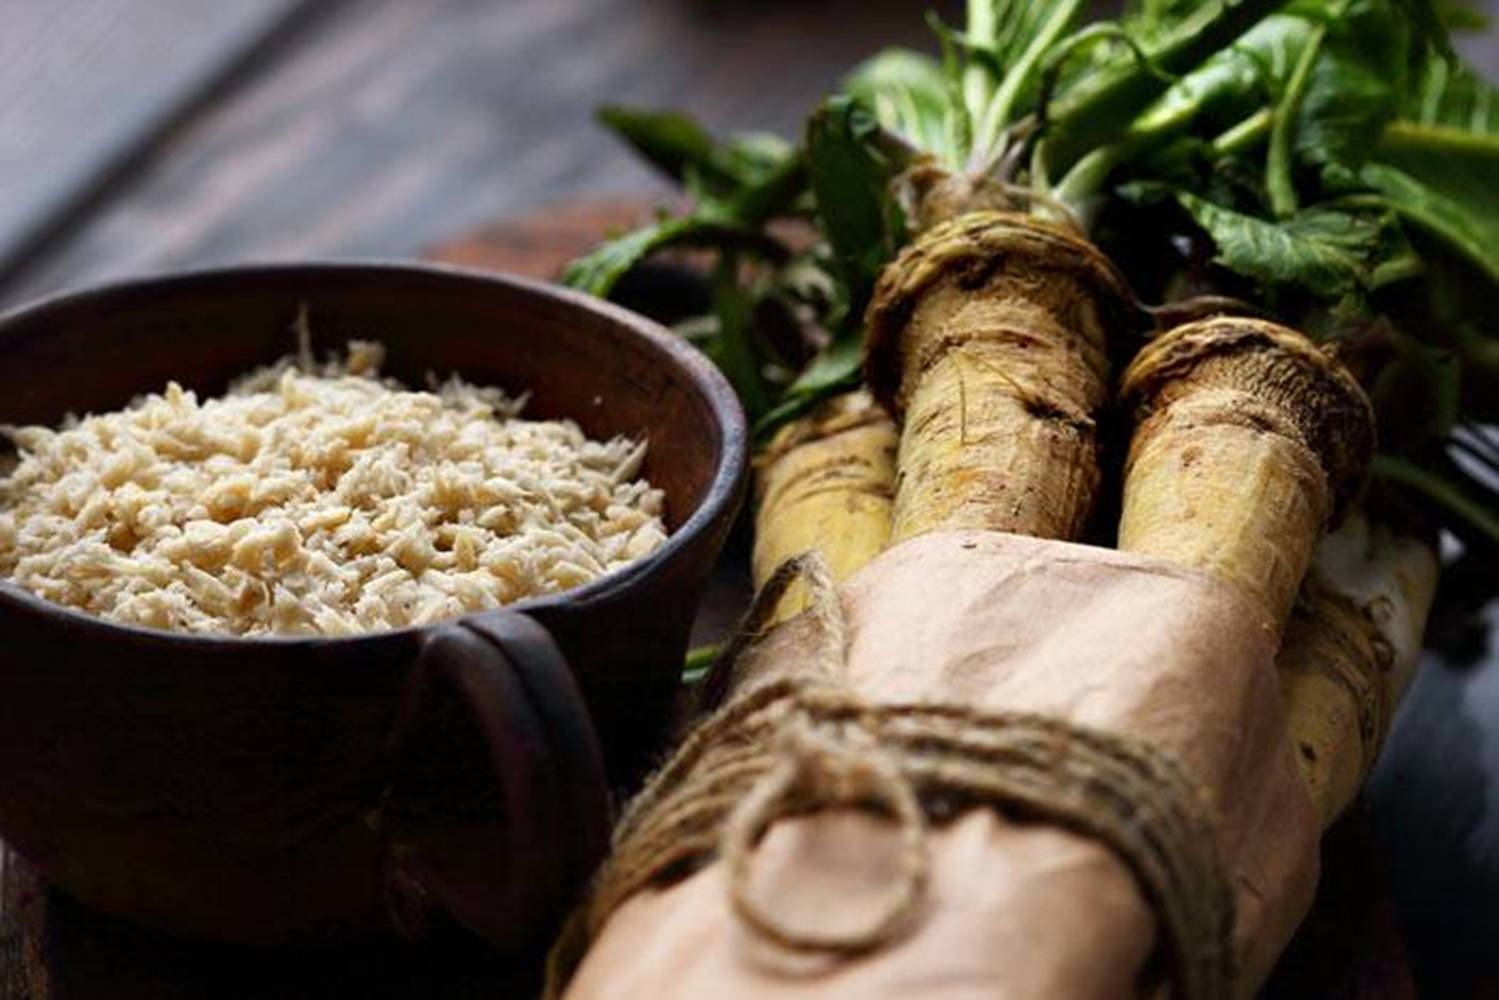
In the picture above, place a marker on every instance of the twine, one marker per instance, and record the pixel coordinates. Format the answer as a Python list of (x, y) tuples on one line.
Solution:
[(800, 740)]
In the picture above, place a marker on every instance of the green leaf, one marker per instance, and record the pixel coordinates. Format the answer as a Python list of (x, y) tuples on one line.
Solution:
[(1328, 252), (835, 365), (1437, 163), (753, 158), (1355, 85), (1442, 487), (698, 663), (1459, 16), (1024, 42), (850, 176), (850, 169), (1019, 24), (837, 368), (1430, 24), (776, 193), (1453, 94), (1100, 108), (909, 95), (1228, 86), (958, 139), (679, 147), (1151, 20), (669, 140), (598, 272), (1469, 222), (734, 347)]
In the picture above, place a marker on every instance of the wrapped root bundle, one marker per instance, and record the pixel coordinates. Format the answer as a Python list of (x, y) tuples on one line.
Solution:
[(1106, 771)]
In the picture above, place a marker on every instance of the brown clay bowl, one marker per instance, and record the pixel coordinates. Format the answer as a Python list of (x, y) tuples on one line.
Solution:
[(273, 789)]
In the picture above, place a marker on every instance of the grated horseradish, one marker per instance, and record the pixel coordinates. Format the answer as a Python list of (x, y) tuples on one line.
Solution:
[(318, 500)]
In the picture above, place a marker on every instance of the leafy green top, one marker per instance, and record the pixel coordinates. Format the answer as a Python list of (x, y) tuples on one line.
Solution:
[(1330, 160)]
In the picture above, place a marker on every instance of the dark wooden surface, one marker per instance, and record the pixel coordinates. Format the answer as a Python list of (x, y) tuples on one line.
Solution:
[(139, 135), (382, 125), (63, 63)]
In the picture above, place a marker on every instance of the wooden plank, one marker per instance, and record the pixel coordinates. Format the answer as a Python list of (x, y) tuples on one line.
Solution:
[(85, 85), (393, 123)]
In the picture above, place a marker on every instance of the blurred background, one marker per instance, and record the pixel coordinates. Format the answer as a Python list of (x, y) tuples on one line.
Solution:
[(140, 135), (143, 134)]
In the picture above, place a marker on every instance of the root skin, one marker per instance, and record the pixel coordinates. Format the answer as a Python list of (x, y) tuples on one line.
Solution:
[(825, 483), (1350, 649), (1248, 441), (988, 338)]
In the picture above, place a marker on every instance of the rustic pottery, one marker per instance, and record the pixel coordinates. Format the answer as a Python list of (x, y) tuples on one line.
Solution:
[(272, 789)]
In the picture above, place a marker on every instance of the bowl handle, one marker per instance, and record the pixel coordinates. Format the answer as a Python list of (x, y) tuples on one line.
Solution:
[(505, 848)]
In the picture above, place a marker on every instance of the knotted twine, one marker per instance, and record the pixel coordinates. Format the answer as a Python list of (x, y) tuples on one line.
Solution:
[(798, 740)]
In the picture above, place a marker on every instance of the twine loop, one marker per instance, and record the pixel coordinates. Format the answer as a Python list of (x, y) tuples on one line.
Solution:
[(828, 756), (799, 740)]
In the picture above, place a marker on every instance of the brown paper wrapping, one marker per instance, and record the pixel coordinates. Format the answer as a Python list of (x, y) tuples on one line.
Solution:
[(1099, 638)]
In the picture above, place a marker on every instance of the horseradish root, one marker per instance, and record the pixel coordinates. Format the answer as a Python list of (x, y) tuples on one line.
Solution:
[(1248, 439), (988, 340), (1350, 649), (825, 483)]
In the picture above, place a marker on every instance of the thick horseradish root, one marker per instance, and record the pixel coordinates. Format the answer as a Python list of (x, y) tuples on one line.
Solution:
[(825, 483), (987, 339), (1349, 651), (1248, 440)]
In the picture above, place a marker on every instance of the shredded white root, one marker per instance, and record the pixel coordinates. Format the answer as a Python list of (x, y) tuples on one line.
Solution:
[(324, 502)]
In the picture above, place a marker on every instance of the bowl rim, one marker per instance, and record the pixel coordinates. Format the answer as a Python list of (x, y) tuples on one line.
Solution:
[(725, 489)]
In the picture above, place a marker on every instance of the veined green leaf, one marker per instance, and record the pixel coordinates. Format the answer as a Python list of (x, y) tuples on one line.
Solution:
[(1151, 19), (1430, 24), (1355, 84), (1328, 252), (1437, 164), (1022, 49), (1100, 107), (1470, 225), (1227, 86), (1017, 24), (1448, 128)]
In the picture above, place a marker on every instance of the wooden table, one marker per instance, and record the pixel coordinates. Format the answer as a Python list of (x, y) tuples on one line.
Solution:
[(139, 135)]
